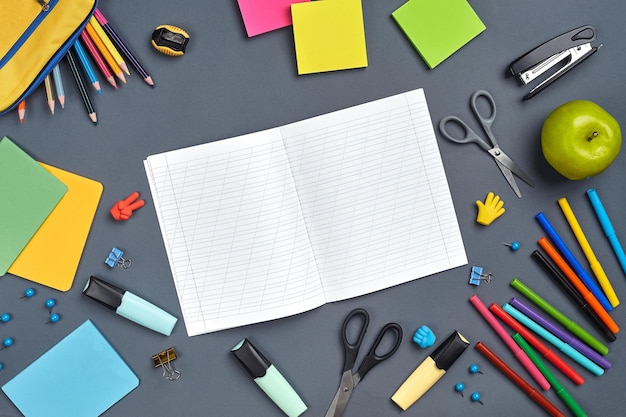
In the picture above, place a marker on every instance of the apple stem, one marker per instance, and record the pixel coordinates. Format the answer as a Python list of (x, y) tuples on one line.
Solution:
[(593, 135)]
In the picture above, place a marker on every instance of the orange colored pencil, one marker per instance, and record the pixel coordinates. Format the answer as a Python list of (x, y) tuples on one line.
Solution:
[(21, 110), (580, 287), (109, 45), (105, 52)]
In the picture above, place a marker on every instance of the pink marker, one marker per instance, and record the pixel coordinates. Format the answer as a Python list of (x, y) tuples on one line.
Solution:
[(508, 340)]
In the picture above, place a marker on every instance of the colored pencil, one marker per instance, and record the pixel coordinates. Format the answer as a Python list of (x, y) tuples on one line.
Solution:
[(109, 45), (548, 353), (58, 85), (97, 57), (115, 68), (117, 40), (81, 86), (49, 94), (559, 389), (21, 110), (561, 280), (578, 284), (82, 57), (506, 338), (594, 264), (572, 261), (534, 395)]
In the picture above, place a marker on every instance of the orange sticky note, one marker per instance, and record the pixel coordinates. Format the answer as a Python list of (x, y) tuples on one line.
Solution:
[(329, 35)]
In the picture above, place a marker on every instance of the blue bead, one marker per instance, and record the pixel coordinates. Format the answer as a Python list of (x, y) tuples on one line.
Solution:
[(5, 318), (50, 302), (7, 342)]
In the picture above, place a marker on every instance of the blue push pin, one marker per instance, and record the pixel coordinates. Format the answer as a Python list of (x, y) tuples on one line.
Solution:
[(459, 387), (513, 245), (115, 258), (1, 366), (28, 293), (50, 303), (476, 397), (6, 343), (474, 369), (5, 318), (54, 317)]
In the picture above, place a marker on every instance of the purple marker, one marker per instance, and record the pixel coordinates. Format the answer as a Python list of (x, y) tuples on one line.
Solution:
[(561, 334)]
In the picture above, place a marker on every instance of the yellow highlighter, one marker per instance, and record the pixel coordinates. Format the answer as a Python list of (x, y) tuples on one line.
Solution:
[(430, 370), (594, 264)]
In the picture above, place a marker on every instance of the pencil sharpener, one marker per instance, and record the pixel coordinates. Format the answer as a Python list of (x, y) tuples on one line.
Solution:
[(170, 40)]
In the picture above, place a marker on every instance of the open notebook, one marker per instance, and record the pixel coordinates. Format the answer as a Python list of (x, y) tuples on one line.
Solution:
[(281, 221)]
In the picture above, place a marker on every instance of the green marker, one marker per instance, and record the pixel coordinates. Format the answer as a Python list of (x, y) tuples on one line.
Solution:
[(568, 323), (569, 401)]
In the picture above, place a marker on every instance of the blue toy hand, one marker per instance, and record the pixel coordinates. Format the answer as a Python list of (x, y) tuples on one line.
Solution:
[(424, 337)]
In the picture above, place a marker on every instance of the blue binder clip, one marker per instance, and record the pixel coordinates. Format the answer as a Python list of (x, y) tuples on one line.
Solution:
[(115, 259), (476, 276)]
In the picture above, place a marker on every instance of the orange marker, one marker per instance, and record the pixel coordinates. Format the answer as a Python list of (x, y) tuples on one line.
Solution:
[(582, 289)]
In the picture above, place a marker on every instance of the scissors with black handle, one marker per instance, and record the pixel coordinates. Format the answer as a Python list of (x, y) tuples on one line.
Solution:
[(506, 165), (350, 379)]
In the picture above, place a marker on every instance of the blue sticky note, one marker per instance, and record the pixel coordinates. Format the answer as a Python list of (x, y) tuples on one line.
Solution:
[(81, 376)]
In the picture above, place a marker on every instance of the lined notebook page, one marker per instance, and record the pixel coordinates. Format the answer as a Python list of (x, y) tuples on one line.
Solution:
[(278, 222), (374, 195), (234, 233)]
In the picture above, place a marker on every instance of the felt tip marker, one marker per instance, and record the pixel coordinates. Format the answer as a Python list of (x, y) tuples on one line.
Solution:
[(130, 306)]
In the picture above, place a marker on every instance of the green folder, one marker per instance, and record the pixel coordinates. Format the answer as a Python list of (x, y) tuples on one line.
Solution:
[(28, 193), (438, 28)]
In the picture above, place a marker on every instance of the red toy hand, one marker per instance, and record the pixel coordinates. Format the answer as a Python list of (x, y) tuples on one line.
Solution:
[(123, 209)]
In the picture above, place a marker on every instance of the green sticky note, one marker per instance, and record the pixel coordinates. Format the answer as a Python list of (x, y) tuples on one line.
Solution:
[(329, 35), (438, 28), (28, 193)]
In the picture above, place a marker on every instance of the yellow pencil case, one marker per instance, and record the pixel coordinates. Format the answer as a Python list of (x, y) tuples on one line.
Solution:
[(34, 37)]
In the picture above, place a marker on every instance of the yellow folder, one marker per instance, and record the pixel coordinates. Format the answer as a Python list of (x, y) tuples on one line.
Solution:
[(52, 255)]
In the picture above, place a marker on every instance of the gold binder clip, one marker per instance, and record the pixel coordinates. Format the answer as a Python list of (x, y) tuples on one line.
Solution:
[(164, 359)]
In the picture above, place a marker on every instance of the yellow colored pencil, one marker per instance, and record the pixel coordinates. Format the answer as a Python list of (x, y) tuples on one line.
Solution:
[(109, 45), (594, 264), (49, 95), (115, 68)]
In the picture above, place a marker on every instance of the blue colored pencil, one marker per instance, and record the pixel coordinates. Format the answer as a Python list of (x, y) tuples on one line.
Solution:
[(82, 57)]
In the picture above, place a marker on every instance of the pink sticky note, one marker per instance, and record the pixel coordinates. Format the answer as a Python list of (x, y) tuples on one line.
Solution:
[(264, 16)]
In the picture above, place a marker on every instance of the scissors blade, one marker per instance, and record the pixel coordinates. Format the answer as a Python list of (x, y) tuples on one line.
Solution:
[(509, 168), (346, 387)]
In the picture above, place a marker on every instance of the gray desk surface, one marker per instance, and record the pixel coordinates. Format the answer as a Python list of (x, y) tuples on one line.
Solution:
[(227, 85)]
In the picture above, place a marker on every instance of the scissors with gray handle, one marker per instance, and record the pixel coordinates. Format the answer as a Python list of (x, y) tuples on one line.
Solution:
[(349, 378), (506, 165)]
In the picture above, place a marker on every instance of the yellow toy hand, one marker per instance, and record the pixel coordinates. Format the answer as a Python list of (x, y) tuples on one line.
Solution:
[(490, 210)]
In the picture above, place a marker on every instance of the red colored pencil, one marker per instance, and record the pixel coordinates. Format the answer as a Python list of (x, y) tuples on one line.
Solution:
[(534, 394), (548, 353)]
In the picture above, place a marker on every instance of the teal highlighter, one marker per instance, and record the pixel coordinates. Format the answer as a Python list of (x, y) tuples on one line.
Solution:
[(268, 378)]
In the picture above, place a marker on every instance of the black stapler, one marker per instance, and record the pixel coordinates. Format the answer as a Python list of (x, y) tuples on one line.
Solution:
[(568, 50)]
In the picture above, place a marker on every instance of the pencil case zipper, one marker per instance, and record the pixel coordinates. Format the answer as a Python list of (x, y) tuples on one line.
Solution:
[(46, 7)]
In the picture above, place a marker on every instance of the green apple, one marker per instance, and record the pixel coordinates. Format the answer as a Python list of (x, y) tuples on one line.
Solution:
[(580, 139)]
